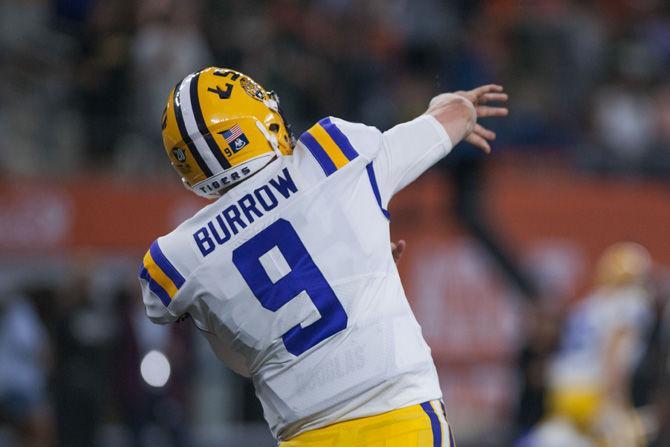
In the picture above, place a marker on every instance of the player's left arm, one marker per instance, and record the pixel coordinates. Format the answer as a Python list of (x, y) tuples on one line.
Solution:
[(397, 249), (156, 310), (160, 281)]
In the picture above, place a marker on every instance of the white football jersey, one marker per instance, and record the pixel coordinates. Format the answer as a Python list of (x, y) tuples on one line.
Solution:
[(290, 277), (590, 328)]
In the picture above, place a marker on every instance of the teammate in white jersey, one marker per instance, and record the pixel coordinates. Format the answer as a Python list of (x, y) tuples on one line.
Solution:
[(289, 274), (589, 378)]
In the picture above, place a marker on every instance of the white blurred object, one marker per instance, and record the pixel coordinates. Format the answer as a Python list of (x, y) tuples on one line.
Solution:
[(23, 340), (556, 432), (155, 369), (589, 328), (621, 304), (624, 121)]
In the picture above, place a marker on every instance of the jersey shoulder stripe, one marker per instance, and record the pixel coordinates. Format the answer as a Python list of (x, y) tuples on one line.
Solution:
[(339, 138), (329, 146), (163, 278)]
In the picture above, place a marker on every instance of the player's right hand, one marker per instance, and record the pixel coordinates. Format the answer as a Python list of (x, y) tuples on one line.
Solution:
[(480, 97)]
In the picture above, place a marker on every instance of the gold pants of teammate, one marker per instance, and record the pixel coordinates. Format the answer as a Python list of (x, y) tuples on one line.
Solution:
[(423, 425)]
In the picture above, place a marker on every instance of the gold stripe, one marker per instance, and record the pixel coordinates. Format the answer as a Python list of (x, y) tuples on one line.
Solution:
[(158, 276), (332, 149)]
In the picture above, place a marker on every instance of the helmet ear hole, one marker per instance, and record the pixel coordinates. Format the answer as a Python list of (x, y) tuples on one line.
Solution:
[(274, 127)]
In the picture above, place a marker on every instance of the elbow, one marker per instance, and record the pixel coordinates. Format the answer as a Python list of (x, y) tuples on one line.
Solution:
[(456, 114)]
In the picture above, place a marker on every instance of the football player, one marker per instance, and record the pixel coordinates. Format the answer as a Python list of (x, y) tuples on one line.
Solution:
[(288, 273), (603, 341)]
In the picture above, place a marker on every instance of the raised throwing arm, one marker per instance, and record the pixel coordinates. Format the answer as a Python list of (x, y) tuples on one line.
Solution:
[(458, 113)]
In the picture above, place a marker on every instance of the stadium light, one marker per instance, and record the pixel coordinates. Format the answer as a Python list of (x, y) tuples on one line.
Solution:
[(155, 369)]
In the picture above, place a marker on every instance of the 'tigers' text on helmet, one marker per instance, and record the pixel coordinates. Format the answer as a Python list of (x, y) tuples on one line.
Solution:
[(223, 181), (245, 211)]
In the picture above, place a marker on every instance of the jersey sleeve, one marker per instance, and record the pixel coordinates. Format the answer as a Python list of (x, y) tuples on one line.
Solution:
[(160, 282), (393, 158), (398, 156), (407, 151), (331, 144)]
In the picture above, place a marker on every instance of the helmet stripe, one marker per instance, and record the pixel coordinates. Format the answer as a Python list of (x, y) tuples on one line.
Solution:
[(202, 126), (184, 134), (192, 128)]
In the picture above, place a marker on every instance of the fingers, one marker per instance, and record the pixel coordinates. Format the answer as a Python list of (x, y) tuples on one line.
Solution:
[(484, 89), (496, 97), (488, 111), (480, 136), (477, 140), (484, 132), (484, 94)]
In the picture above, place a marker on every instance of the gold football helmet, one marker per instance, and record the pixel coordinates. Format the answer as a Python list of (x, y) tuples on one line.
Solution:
[(220, 127), (623, 263)]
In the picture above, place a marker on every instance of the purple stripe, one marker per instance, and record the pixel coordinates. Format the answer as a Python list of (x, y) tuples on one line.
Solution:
[(156, 288), (202, 126), (184, 133), (319, 153), (165, 265), (451, 435), (375, 189), (434, 423), (339, 138), (141, 271)]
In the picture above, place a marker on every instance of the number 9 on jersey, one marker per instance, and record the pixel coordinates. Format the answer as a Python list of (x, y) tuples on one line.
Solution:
[(304, 275)]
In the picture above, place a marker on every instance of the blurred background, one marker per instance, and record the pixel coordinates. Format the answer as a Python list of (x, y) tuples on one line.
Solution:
[(539, 338)]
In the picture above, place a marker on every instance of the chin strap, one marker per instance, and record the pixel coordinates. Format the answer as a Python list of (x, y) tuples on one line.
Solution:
[(272, 139)]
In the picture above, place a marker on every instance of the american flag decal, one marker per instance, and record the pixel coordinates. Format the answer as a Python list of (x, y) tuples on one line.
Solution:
[(235, 137), (231, 134)]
